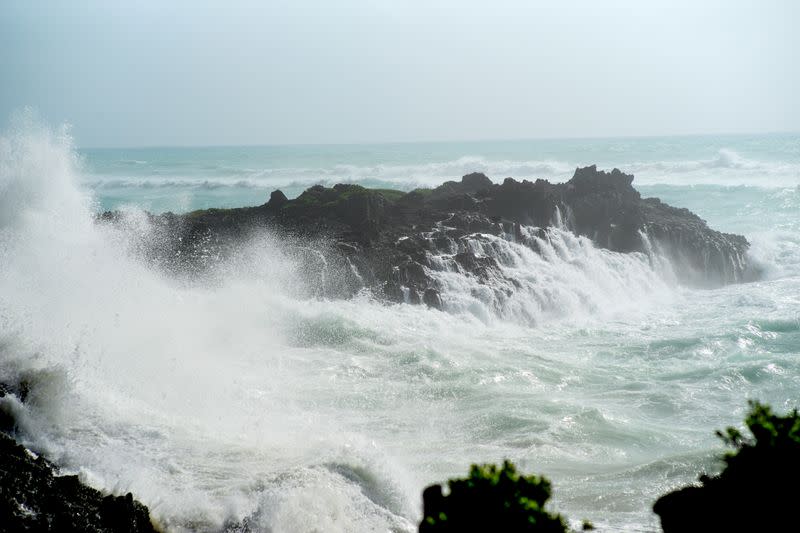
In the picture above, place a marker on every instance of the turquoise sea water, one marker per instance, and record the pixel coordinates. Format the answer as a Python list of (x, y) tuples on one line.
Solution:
[(745, 184), (190, 178), (238, 397)]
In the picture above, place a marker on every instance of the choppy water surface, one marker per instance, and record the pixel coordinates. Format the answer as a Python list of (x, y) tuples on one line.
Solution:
[(238, 399)]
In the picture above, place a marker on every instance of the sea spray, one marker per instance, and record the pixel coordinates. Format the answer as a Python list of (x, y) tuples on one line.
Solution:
[(244, 395), (131, 370), (550, 274)]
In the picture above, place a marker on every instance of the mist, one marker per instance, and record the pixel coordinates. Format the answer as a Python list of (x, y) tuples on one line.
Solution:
[(212, 73)]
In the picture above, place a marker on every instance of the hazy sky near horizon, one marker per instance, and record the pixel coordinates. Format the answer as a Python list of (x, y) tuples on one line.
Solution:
[(156, 72)]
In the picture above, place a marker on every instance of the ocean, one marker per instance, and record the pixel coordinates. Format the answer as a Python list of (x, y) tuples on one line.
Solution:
[(239, 397)]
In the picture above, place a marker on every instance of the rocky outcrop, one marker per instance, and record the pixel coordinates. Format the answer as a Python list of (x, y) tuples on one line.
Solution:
[(33, 497), (390, 241)]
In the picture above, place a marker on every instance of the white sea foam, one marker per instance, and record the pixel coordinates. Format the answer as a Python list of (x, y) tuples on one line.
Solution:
[(552, 275), (234, 398), (727, 168), (143, 385)]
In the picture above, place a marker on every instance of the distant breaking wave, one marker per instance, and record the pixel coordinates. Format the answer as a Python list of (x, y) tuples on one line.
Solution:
[(724, 160), (233, 400), (727, 168), (193, 183)]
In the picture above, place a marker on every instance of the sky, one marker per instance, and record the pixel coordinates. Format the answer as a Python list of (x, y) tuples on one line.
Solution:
[(158, 72)]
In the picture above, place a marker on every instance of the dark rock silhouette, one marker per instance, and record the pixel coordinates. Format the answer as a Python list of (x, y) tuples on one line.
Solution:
[(384, 239), (277, 199), (491, 499), (755, 491), (33, 497)]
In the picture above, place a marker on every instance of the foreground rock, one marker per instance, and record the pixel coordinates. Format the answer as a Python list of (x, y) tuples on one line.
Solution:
[(34, 498), (755, 490), (391, 242)]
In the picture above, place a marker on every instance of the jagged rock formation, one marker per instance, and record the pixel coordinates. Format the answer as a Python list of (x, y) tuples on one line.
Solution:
[(390, 241), (33, 497)]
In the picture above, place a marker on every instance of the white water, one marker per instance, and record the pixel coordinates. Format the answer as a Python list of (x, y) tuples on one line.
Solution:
[(228, 400), (736, 170), (183, 179), (551, 275)]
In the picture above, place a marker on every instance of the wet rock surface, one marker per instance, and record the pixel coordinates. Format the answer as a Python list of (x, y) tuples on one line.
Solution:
[(33, 497)]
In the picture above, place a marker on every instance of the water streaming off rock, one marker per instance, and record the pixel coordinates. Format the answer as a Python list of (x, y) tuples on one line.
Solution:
[(246, 394)]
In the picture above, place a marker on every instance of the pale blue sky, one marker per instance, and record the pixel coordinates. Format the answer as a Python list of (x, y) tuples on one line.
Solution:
[(153, 72)]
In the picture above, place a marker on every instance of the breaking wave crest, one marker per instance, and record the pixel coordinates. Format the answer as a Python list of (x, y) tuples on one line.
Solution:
[(546, 275), (726, 168), (234, 401)]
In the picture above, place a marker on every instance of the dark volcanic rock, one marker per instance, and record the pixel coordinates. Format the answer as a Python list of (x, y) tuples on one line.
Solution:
[(431, 298), (605, 207), (34, 498), (277, 199), (391, 242)]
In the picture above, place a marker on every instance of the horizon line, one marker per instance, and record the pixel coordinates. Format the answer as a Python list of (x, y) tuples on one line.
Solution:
[(449, 141)]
